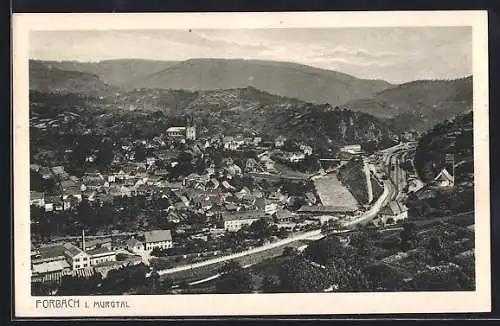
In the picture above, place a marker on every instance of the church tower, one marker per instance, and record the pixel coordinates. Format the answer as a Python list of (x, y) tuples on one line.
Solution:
[(191, 129)]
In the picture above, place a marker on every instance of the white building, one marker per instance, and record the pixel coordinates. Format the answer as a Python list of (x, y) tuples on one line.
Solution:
[(271, 209), (182, 132), (234, 222), (76, 257), (444, 179), (161, 239), (176, 131), (351, 149), (101, 255), (37, 198), (191, 133), (296, 157)]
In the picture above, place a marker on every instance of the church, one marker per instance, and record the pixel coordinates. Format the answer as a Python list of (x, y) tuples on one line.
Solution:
[(188, 132)]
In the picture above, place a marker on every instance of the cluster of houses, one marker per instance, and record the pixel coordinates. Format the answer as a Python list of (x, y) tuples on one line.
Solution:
[(96, 254)]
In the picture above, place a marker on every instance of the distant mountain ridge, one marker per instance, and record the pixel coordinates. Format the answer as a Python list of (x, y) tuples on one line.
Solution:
[(151, 85), (287, 79), (113, 72), (49, 79)]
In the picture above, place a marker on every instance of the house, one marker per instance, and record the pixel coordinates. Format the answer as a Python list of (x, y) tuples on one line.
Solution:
[(161, 239), (93, 184), (161, 172), (69, 202), (134, 245), (444, 179), (260, 203), (283, 216), (250, 164), (296, 157), (351, 149), (176, 132), (76, 257), (306, 149), (235, 221), (279, 141), (270, 209), (59, 171), (101, 255), (395, 211), (54, 203), (92, 176), (95, 243), (213, 183), (45, 172), (68, 184), (37, 198), (34, 167), (49, 259), (322, 219), (227, 185), (311, 198)]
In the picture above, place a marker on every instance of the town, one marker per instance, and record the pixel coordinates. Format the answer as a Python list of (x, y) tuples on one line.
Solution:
[(177, 211)]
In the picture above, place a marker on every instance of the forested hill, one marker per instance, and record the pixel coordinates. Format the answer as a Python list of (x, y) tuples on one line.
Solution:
[(420, 104), (247, 111), (449, 137), (455, 138)]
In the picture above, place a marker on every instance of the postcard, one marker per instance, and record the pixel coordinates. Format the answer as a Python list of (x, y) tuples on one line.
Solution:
[(251, 164)]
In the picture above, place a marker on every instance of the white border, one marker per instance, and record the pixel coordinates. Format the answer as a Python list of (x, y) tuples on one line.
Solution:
[(255, 304)]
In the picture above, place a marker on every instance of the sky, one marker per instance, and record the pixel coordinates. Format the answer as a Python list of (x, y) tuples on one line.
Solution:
[(396, 55)]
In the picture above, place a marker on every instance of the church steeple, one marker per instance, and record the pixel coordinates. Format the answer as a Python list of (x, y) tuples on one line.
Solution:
[(190, 128)]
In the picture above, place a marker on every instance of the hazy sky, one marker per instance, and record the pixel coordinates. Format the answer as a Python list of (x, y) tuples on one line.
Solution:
[(393, 54)]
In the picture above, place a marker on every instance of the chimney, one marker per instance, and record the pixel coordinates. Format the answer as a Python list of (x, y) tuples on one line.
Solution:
[(83, 240)]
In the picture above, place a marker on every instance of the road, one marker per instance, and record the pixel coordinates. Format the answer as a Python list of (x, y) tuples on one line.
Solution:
[(302, 236)]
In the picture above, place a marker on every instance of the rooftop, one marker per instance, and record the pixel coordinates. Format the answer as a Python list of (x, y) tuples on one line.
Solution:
[(133, 242), (176, 129), (71, 249), (99, 251), (243, 215), (326, 209), (51, 251), (158, 235), (36, 195)]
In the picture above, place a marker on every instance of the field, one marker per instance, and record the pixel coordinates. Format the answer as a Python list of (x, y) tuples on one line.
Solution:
[(334, 193)]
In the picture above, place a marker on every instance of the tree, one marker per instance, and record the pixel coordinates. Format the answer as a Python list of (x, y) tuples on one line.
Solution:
[(49, 186), (298, 275), (409, 236), (289, 251), (234, 279), (36, 181), (139, 153), (260, 228), (166, 285), (105, 155), (435, 247), (270, 284), (323, 251)]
